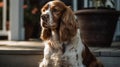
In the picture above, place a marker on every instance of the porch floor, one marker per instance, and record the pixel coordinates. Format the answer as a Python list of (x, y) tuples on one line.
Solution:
[(110, 56)]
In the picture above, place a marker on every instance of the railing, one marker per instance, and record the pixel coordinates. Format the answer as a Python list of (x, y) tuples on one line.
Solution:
[(4, 31)]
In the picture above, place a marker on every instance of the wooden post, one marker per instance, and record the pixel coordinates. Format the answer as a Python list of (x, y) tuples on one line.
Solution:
[(4, 14), (16, 20), (75, 5)]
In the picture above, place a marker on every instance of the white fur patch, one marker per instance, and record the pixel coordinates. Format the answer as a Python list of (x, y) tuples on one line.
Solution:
[(48, 11), (75, 48), (72, 56)]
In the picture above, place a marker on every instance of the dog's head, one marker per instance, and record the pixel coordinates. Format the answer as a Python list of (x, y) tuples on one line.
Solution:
[(56, 15)]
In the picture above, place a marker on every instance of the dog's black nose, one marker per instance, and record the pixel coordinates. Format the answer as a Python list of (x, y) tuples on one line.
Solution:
[(44, 16)]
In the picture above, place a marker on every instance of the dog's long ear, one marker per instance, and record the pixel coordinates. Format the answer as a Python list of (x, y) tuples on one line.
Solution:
[(68, 25), (45, 34)]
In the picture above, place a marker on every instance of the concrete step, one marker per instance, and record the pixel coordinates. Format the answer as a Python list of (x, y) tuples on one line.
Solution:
[(31, 58), (110, 61), (20, 54), (20, 60), (29, 54)]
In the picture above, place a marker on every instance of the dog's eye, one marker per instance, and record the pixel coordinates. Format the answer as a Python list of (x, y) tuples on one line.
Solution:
[(55, 10)]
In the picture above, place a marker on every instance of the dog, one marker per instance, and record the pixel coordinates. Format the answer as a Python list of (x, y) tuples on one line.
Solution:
[(61, 36)]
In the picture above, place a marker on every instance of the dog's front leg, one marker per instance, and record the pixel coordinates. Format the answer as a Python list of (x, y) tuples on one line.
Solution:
[(46, 60), (44, 63)]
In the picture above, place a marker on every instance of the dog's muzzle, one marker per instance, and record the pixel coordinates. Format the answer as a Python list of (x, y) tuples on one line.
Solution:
[(45, 17)]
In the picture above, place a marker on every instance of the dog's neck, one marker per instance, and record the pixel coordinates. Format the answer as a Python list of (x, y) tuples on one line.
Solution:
[(55, 35)]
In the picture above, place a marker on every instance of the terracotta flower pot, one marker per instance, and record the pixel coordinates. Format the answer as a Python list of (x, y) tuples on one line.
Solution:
[(97, 26)]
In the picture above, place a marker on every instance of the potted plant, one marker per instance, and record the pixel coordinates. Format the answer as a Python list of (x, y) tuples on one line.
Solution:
[(97, 23)]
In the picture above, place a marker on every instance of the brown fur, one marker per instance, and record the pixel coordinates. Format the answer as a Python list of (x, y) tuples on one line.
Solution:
[(68, 26), (65, 20), (89, 59), (63, 29), (45, 34)]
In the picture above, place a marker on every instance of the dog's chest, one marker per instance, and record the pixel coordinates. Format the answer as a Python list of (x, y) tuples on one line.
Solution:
[(73, 56)]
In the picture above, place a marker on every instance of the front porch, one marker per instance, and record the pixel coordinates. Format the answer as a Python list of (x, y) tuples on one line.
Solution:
[(30, 53)]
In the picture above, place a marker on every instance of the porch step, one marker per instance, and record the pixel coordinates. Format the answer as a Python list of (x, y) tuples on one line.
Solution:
[(26, 57), (20, 60), (31, 53), (20, 53), (33, 58)]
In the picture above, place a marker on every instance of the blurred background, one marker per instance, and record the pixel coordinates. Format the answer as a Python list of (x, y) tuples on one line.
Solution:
[(31, 14), (31, 17)]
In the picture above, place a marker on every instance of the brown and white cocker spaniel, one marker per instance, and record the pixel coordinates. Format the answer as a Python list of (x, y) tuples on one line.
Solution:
[(61, 35)]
